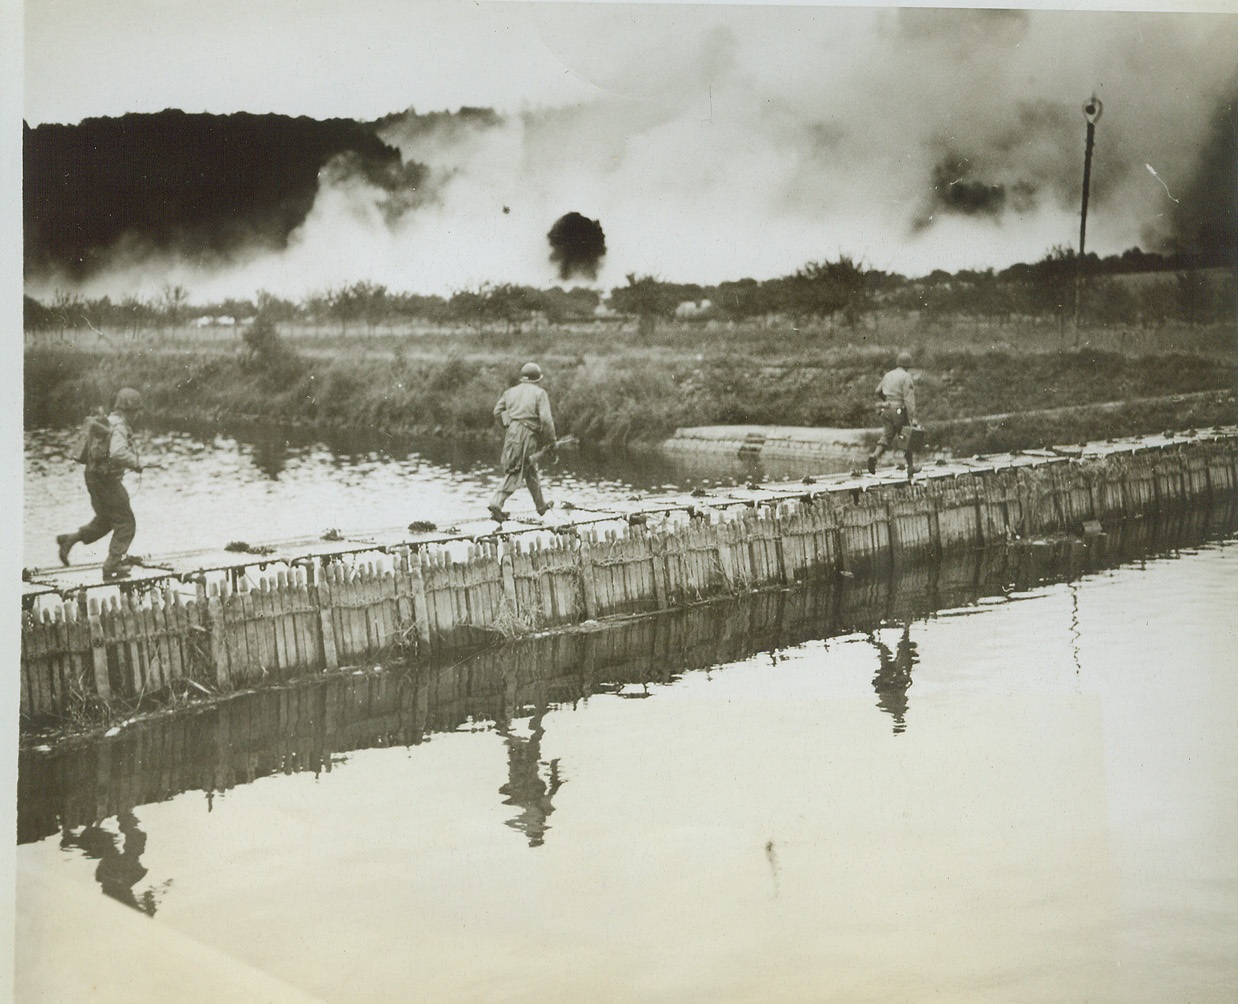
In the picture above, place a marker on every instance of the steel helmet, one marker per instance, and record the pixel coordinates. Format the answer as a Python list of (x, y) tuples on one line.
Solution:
[(904, 359), (531, 371), (128, 400)]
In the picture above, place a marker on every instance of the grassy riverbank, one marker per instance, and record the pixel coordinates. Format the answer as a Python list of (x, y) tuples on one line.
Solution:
[(615, 389)]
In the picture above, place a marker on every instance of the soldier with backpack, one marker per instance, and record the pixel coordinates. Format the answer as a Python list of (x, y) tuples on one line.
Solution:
[(106, 448)]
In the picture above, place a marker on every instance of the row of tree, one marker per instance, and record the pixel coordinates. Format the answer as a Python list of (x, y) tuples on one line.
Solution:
[(841, 291), (353, 306)]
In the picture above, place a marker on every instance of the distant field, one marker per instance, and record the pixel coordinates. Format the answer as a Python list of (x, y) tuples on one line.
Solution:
[(620, 336), (615, 388)]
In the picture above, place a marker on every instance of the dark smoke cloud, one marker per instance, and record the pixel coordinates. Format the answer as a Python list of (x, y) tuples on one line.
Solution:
[(206, 187), (915, 138), (397, 188), (1205, 217), (959, 194), (577, 246), (1004, 168), (955, 190), (446, 128)]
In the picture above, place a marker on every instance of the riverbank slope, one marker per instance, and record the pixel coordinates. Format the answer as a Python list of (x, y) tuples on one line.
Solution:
[(613, 389)]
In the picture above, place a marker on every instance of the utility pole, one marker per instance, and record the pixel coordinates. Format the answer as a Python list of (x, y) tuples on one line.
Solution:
[(1091, 111)]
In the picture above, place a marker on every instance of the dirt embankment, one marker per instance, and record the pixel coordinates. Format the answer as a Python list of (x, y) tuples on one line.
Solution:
[(614, 393)]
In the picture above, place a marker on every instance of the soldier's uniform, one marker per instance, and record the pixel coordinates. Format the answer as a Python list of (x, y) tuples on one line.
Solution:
[(108, 496), (896, 406), (524, 411)]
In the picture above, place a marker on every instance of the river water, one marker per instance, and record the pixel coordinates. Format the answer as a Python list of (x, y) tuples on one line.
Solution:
[(207, 492), (1009, 777)]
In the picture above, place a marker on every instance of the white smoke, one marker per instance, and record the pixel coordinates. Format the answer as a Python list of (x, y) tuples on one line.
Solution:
[(728, 142)]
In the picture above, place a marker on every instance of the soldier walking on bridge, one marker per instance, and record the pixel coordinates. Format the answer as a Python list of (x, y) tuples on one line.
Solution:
[(896, 404), (108, 452), (524, 411)]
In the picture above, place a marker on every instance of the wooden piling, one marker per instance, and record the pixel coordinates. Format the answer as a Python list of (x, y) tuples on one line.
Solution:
[(98, 652), (320, 598), (217, 639), (588, 587), (321, 616), (421, 610)]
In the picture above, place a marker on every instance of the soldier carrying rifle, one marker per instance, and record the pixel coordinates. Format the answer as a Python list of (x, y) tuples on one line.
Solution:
[(524, 411)]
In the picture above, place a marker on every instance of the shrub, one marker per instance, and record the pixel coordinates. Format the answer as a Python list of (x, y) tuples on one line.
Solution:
[(262, 338), (267, 354)]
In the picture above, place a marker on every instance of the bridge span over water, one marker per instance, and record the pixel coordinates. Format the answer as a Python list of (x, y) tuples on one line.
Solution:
[(216, 621)]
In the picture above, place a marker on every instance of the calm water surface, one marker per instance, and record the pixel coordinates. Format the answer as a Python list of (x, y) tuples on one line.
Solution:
[(1029, 793), (209, 492), (1011, 789)]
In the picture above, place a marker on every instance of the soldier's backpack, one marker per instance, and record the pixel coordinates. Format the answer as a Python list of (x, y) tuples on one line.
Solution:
[(94, 440)]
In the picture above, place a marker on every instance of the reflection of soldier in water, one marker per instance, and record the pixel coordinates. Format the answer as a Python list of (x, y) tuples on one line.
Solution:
[(525, 786), (118, 870), (270, 453), (894, 677)]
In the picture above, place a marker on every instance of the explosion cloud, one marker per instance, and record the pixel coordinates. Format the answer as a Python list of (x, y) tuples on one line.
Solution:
[(718, 142), (577, 246), (1206, 213)]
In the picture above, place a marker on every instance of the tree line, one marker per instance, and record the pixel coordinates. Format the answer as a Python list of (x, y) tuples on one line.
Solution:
[(841, 292)]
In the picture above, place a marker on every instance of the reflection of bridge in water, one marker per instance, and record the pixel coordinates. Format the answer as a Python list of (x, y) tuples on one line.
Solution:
[(311, 726)]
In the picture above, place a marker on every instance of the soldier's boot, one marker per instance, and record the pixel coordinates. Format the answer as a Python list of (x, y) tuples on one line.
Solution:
[(539, 500), (114, 570), (64, 544)]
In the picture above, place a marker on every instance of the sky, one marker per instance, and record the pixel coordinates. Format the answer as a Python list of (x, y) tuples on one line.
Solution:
[(711, 142)]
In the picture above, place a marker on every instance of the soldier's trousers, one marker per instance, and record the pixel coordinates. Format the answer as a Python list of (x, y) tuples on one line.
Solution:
[(891, 426), (113, 514), (519, 466)]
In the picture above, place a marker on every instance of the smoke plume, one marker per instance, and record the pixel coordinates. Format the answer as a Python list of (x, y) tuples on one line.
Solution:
[(721, 142), (1205, 215), (577, 245)]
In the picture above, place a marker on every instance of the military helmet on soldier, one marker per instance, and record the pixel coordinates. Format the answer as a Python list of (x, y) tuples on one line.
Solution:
[(904, 359), (128, 400), (531, 371)]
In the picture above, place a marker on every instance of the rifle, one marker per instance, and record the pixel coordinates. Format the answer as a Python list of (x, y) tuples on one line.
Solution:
[(554, 447)]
